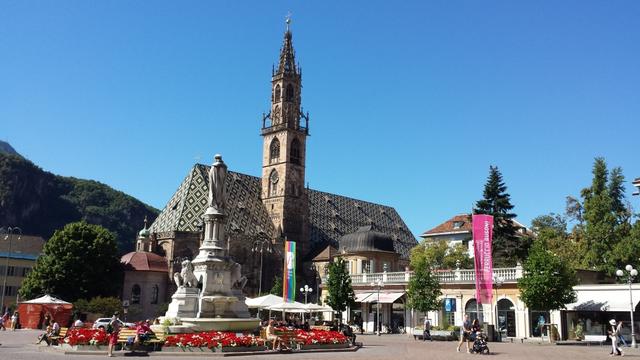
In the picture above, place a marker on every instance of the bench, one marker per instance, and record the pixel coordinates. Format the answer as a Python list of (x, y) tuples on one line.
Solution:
[(55, 340), (126, 335), (287, 338)]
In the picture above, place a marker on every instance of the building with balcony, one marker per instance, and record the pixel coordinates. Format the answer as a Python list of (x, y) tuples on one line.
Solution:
[(17, 259)]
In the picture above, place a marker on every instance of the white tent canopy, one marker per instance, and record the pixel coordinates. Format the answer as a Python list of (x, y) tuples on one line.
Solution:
[(292, 307), (311, 307), (47, 299), (263, 302)]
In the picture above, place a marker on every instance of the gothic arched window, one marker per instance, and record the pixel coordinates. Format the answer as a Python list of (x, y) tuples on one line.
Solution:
[(154, 294), (277, 93), (295, 152), (274, 150), (290, 93), (135, 294)]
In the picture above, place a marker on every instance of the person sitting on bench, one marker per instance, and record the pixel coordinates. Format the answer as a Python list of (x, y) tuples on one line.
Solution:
[(143, 332)]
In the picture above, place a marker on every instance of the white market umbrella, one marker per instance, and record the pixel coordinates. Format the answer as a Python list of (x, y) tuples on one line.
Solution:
[(47, 299), (263, 301), (293, 307), (311, 307)]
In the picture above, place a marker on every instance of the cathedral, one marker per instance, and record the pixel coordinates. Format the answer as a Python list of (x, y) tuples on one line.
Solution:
[(263, 211)]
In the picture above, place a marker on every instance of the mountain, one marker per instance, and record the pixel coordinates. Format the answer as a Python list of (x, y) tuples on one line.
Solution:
[(40, 202), (5, 148)]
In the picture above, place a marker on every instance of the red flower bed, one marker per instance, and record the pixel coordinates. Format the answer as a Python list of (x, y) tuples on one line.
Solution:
[(86, 337), (320, 337), (213, 339)]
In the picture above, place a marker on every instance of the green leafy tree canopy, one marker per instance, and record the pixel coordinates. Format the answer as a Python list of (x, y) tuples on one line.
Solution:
[(276, 289), (548, 281), (423, 291), (341, 293), (79, 262), (439, 255)]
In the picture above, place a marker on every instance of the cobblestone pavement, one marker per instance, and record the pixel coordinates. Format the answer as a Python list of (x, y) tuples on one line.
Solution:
[(20, 345)]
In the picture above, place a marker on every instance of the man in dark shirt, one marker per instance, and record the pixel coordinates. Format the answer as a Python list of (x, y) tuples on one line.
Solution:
[(465, 333)]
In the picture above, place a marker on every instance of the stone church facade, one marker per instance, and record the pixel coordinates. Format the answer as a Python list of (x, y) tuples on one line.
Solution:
[(275, 206)]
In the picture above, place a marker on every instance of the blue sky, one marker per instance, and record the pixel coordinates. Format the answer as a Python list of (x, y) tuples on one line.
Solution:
[(410, 101)]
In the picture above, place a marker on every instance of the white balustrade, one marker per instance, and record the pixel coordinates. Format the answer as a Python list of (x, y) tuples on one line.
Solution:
[(508, 275)]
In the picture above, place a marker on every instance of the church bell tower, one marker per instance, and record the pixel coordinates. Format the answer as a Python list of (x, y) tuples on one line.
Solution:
[(284, 130)]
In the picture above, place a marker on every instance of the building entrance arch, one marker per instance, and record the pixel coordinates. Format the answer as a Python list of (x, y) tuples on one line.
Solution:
[(474, 310), (506, 318)]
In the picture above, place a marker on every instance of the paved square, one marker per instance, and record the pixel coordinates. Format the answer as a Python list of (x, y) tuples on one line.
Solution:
[(19, 345)]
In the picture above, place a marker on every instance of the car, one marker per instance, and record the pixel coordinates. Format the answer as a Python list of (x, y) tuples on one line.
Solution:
[(101, 323)]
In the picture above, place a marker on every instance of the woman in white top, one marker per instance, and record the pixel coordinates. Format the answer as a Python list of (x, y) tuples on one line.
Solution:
[(613, 334)]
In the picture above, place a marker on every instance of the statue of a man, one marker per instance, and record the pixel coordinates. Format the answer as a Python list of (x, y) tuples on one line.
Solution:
[(217, 177)]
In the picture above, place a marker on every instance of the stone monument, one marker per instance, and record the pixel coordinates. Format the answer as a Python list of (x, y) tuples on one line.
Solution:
[(209, 295)]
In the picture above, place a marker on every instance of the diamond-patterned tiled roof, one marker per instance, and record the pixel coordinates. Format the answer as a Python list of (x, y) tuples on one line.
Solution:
[(331, 216)]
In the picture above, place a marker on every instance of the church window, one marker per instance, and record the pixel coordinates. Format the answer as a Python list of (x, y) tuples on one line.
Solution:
[(295, 152), (277, 93), (135, 294), (290, 93), (274, 151), (154, 294)]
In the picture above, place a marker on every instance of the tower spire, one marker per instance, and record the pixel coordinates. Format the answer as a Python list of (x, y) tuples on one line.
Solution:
[(287, 64)]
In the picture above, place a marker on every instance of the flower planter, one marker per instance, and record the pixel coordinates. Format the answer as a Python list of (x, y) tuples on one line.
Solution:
[(323, 346), (83, 347), (444, 335), (186, 349), (226, 349)]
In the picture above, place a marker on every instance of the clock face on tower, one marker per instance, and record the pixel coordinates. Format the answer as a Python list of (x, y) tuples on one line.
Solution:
[(274, 177)]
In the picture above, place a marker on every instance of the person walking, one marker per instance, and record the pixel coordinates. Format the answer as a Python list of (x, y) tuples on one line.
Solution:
[(465, 332), (15, 321), (613, 335), (113, 329), (427, 330), (620, 336)]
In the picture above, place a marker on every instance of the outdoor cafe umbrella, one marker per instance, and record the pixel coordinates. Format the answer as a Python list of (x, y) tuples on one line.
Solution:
[(263, 301), (287, 307)]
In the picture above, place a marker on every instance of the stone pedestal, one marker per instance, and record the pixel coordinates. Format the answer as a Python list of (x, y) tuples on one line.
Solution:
[(184, 303)]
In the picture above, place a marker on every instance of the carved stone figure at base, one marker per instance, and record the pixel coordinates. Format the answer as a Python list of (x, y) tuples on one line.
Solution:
[(186, 278)]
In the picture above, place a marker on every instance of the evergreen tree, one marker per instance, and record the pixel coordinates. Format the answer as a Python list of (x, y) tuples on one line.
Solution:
[(605, 240), (423, 290), (276, 289), (507, 247), (341, 293), (548, 281), (79, 262)]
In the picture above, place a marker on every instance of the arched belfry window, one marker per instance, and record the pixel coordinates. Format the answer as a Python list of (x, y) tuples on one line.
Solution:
[(274, 150), (290, 93), (135, 294), (273, 183), (295, 152), (276, 94), (154, 294)]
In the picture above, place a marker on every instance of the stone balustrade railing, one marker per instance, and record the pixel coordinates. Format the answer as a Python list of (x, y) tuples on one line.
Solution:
[(506, 275)]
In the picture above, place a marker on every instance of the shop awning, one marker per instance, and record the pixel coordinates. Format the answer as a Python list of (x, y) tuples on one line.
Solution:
[(361, 297), (385, 297), (603, 299)]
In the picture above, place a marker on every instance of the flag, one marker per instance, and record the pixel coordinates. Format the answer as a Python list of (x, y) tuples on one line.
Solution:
[(482, 236), (289, 273)]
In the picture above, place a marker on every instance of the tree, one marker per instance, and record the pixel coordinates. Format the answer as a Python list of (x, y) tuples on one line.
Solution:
[(439, 255), (79, 262), (341, 293), (606, 221), (423, 290), (508, 248), (552, 221), (276, 289), (548, 282), (551, 231)]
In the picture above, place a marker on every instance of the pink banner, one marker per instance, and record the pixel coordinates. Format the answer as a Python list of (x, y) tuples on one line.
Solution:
[(482, 236)]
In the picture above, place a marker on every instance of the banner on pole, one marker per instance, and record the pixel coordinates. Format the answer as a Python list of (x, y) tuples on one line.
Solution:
[(482, 237), (289, 273)]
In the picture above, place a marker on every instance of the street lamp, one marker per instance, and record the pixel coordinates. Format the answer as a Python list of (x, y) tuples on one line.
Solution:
[(261, 244), (378, 284), (497, 283), (8, 232), (306, 290), (630, 274)]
